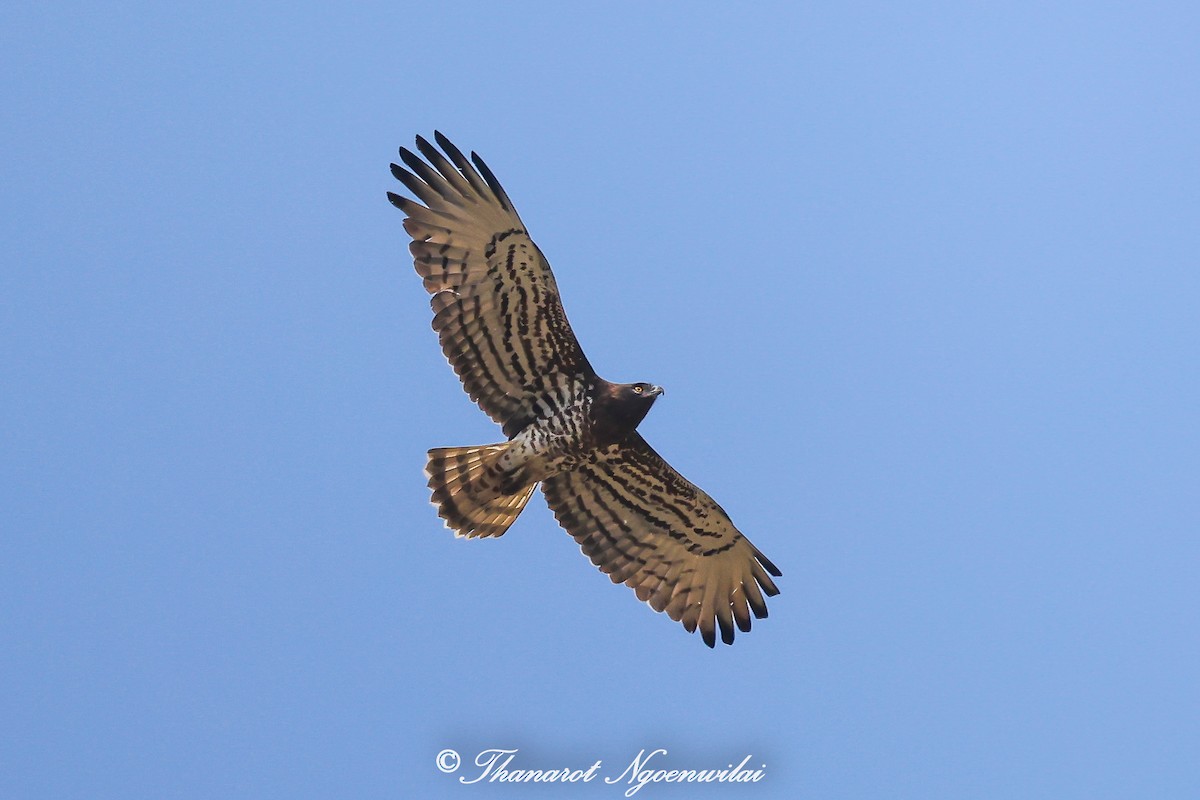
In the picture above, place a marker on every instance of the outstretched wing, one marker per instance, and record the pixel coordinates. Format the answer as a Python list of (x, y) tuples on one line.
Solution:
[(647, 526), (496, 306)]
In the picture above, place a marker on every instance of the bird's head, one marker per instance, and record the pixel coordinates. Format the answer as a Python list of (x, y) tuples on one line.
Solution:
[(643, 392), (619, 407)]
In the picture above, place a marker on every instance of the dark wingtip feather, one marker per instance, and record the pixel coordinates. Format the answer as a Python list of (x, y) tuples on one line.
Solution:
[(766, 562), (449, 148), (425, 147), (414, 184), (405, 204), (410, 158), (709, 635), (757, 605), (492, 183)]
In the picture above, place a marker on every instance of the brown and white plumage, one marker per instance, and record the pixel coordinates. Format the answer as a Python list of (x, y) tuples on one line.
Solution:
[(495, 302), (645, 525), (502, 327)]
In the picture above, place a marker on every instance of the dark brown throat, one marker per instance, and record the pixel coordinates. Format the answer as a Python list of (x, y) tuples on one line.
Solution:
[(616, 412)]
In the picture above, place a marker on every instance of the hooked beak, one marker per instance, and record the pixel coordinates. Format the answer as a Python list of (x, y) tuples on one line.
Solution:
[(655, 391)]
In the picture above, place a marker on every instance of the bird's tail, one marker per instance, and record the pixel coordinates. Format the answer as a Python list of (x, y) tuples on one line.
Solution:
[(472, 491)]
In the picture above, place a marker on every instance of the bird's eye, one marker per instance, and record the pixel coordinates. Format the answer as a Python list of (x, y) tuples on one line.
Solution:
[(637, 390)]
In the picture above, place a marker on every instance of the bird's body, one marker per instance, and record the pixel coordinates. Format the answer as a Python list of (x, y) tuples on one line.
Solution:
[(566, 433), (502, 327)]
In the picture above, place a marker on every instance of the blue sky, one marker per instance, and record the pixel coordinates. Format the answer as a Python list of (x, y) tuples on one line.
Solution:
[(920, 279)]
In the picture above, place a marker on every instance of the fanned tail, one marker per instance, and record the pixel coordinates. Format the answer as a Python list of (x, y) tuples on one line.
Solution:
[(468, 489)]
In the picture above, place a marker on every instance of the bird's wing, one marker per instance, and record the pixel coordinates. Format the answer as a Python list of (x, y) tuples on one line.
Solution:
[(647, 526), (496, 306)]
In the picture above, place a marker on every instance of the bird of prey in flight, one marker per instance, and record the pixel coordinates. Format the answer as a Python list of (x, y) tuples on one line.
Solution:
[(502, 327)]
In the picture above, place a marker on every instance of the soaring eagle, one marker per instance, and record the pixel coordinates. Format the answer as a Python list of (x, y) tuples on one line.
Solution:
[(501, 324)]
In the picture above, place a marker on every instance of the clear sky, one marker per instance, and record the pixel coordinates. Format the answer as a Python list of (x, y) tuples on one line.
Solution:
[(921, 281)]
